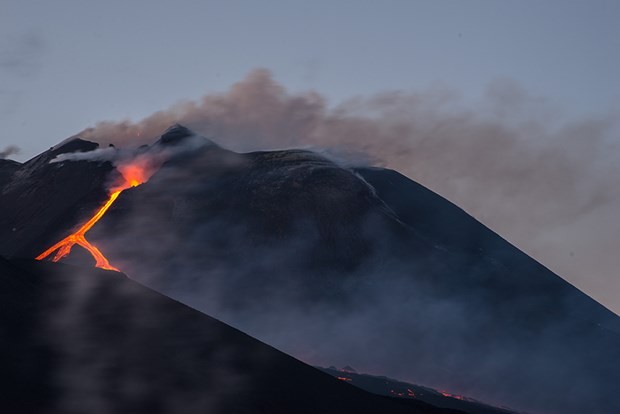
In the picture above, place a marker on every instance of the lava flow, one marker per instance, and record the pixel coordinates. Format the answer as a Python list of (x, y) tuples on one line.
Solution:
[(133, 176)]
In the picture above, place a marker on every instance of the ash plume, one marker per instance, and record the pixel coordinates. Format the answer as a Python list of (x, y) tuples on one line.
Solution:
[(513, 160), (8, 151)]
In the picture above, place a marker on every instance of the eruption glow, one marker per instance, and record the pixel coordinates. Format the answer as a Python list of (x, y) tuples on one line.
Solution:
[(133, 175)]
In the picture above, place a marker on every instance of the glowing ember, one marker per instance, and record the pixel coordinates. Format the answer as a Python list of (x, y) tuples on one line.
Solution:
[(344, 378), (447, 394), (133, 176), (399, 393)]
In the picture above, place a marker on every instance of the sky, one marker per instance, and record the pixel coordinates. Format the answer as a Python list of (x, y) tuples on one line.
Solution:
[(67, 65)]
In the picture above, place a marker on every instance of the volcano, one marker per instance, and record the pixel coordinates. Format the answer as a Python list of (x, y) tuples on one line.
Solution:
[(331, 264)]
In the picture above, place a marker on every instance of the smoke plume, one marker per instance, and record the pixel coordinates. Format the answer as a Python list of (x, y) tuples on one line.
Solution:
[(513, 160), (8, 151)]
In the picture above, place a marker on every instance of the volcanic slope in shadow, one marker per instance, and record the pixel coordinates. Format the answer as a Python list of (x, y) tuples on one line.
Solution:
[(390, 387), (365, 267), (88, 340), (356, 266), (40, 202)]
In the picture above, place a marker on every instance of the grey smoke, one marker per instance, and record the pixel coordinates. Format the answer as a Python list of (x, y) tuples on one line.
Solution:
[(8, 151), (149, 158), (100, 154), (94, 382), (543, 180)]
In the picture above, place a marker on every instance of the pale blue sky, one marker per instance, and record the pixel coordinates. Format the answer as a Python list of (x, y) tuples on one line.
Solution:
[(66, 64)]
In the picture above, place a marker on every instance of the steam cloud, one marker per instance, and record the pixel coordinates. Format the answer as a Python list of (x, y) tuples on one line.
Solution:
[(100, 154), (8, 151), (149, 159), (512, 161)]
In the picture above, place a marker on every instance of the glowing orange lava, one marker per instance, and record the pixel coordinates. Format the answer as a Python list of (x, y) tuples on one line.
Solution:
[(133, 175), (447, 394)]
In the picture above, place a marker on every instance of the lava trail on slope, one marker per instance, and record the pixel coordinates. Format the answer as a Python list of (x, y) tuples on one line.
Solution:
[(133, 175)]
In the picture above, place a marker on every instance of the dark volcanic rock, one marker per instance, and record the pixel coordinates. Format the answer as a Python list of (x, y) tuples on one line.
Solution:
[(338, 265), (175, 135), (258, 218), (7, 169), (86, 340), (514, 280), (365, 257), (42, 201), (393, 388)]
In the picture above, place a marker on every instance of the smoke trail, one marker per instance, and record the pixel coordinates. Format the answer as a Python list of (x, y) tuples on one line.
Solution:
[(513, 161), (8, 151), (148, 159)]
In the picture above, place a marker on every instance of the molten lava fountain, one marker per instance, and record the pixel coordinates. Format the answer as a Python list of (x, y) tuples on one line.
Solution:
[(133, 176)]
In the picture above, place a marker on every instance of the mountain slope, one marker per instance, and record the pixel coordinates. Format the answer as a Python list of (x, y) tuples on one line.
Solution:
[(87, 340), (360, 266), (386, 386), (42, 201), (7, 169), (444, 224)]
